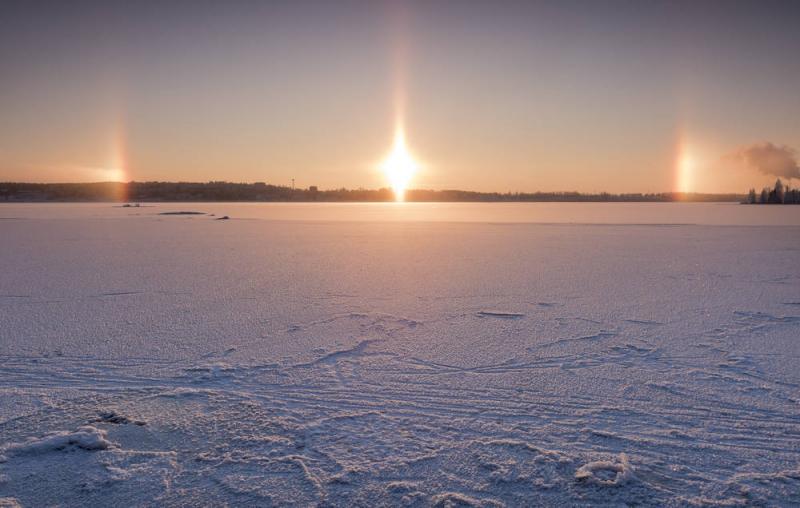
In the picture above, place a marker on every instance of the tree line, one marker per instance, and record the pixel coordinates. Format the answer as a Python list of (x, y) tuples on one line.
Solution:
[(259, 191), (780, 194)]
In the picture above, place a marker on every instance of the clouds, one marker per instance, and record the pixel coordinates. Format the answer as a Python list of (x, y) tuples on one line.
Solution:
[(770, 159)]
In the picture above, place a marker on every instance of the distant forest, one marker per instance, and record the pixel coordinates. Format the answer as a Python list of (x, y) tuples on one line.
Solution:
[(134, 192), (779, 195)]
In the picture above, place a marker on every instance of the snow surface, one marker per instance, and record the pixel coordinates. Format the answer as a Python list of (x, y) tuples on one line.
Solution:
[(289, 356)]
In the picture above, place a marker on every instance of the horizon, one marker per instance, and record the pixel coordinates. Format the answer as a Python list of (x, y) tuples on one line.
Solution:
[(625, 97), (386, 187)]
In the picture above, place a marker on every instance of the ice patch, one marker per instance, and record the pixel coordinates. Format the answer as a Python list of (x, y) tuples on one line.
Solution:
[(86, 438), (359, 350), (500, 314), (403, 487), (644, 322), (116, 419), (593, 472), (213, 371), (182, 392), (121, 293), (454, 499)]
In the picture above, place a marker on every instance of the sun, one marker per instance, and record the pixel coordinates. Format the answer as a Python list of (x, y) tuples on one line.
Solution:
[(399, 166)]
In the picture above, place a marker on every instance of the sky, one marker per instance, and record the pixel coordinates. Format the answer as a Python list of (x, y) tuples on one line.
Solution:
[(617, 96)]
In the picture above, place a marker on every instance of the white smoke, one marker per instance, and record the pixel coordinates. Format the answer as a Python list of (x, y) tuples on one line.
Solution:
[(770, 159)]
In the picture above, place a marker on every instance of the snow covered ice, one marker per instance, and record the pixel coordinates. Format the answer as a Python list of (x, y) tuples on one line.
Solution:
[(399, 355)]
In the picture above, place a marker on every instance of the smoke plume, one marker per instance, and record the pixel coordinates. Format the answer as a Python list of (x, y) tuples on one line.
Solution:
[(770, 159)]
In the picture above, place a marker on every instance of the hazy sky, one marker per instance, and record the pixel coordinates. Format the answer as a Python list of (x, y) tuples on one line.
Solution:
[(589, 96)]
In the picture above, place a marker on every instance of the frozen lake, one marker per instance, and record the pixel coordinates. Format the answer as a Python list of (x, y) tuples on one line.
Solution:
[(450, 354), (715, 214)]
